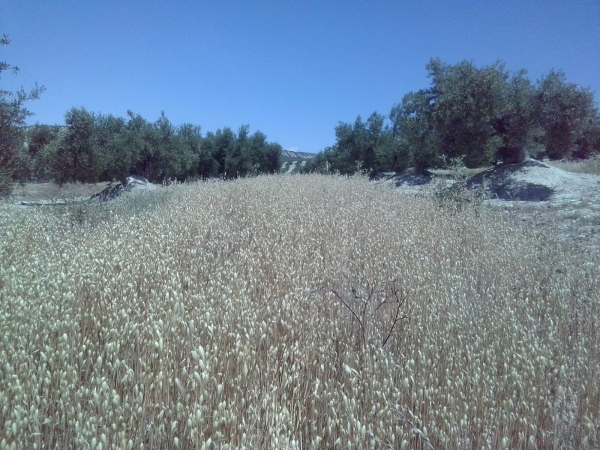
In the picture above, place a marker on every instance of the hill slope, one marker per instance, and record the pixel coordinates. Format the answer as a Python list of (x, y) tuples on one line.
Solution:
[(292, 161)]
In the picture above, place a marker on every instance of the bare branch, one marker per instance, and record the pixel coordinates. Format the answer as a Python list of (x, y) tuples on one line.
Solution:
[(379, 441), (371, 298), (362, 327), (416, 430)]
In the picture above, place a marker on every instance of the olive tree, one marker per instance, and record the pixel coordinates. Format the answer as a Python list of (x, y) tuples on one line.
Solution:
[(77, 153), (565, 111), (13, 113), (467, 103)]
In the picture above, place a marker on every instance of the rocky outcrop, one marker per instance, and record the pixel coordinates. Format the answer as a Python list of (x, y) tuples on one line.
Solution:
[(413, 179), (115, 189)]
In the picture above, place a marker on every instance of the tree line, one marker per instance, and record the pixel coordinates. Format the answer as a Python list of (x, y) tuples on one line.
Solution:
[(92, 147), (483, 115), (96, 147), (12, 117)]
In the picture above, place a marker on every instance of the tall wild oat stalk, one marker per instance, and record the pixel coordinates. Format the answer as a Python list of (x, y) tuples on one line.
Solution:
[(294, 312)]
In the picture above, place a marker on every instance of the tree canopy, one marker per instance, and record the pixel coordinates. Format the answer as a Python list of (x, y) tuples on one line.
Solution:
[(480, 114), (93, 147), (483, 115), (13, 155), (96, 147)]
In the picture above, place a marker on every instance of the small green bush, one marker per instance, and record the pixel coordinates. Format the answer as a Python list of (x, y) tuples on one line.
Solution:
[(452, 191)]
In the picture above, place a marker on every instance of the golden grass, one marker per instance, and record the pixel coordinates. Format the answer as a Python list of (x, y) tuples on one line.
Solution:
[(589, 166), (51, 191), (252, 313)]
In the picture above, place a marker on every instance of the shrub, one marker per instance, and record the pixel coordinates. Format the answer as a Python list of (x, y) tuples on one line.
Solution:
[(452, 192)]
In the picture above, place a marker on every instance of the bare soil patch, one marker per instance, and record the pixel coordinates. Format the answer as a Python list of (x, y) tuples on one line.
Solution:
[(571, 211), (561, 204)]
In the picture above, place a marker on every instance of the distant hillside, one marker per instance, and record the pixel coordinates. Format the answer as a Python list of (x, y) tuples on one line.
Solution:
[(292, 161)]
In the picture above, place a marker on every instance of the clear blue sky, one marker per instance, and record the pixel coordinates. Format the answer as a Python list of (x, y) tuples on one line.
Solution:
[(291, 69)]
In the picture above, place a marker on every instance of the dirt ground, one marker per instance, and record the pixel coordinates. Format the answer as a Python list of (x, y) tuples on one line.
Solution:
[(571, 213), (576, 224), (49, 192), (561, 204)]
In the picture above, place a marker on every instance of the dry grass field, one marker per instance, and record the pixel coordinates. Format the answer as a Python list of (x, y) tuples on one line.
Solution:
[(589, 166), (293, 312), (49, 191)]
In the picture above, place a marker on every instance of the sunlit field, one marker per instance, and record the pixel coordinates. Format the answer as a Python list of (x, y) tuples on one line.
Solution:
[(293, 312), (589, 166)]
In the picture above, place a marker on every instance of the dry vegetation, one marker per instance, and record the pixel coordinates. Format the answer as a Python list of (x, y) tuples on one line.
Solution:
[(293, 312), (589, 166)]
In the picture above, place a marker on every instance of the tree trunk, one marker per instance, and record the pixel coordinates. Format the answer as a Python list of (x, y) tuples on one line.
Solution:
[(512, 155)]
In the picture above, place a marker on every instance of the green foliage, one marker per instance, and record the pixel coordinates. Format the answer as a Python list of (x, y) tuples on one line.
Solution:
[(189, 145), (139, 141), (78, 155), (264, 157), (452, 191), (95, 147), (218, 145), (566, 113), (413, 127), (363, 146), (109, 137), (208, 166), (515, 126), (38, 138), (588, 144), (486, 114), (270, 158), (14, 161), (237, 158), (480, 115), (358, 144), (242, 154), (176, 149), (320, 163), (466, 104)]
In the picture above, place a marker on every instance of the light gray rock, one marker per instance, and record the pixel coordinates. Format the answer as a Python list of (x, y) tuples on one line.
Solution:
[(115, 189)]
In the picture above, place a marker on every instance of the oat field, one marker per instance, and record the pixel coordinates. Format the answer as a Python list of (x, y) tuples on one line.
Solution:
[(293, 312)]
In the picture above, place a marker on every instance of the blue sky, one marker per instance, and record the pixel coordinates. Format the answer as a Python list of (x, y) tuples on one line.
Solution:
[(291, 69)]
